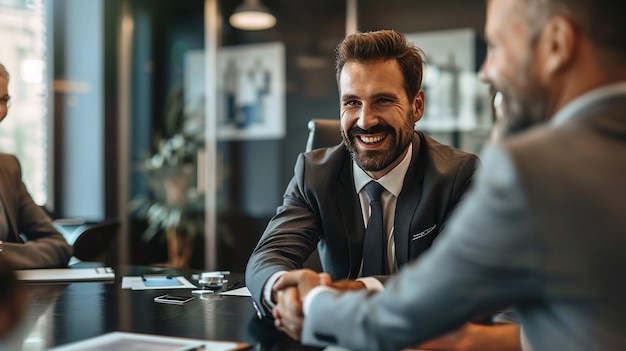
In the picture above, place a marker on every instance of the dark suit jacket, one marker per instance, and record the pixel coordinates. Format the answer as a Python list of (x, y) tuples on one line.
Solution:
[(32, 241), (321, 209)]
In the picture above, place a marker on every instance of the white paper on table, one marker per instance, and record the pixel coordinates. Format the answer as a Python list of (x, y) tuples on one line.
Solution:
[(66, 274), (133, 341), (138, 283), (237, 292)]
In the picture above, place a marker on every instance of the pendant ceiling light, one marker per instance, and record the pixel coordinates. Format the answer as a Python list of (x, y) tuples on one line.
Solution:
[(252, 15)]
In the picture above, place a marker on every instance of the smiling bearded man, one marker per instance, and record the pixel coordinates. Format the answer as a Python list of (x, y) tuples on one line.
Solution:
[(326, 205)]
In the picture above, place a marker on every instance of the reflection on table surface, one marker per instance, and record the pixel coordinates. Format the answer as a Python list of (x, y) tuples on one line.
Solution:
[(60, 313)]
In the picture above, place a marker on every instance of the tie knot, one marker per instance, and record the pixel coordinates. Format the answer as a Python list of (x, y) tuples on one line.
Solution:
[(373, 190)]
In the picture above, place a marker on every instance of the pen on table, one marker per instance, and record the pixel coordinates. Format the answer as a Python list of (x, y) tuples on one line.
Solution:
[(144, 278), (236, 285), (195, 348)]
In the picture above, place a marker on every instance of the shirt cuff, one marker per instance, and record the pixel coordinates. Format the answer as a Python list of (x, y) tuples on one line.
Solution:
[(372, 284), (267, 290), (306, 304)]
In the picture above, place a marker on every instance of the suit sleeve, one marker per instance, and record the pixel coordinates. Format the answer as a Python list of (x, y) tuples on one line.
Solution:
[(487, 259), (45, 247), (289, 238), (462, 184)]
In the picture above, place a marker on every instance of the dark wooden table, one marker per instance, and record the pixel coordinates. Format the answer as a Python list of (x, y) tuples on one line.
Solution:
[(60, 313)]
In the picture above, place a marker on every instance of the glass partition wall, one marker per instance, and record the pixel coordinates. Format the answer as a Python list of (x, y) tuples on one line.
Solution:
[(217, 118), (24, 54), (291, 69), (204, 122)]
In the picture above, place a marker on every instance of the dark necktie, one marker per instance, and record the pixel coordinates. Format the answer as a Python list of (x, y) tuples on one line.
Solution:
[(374, 243)]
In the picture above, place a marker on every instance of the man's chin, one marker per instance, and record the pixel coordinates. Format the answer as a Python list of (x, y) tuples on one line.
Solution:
[(370, 163), (520, 124)]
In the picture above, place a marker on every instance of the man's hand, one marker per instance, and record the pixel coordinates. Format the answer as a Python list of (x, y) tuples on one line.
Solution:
[(287, 313), (458, 340), (290, 289), (347, 284), (475, 337), (303, 279)]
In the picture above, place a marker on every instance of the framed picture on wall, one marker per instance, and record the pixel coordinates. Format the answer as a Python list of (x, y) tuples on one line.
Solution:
[(250, 88), (455, 97)]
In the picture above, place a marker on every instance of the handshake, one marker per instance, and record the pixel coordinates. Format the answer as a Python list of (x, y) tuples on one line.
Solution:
[(290, 291), (290, 294)]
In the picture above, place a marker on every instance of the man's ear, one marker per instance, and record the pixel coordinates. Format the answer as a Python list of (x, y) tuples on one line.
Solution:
[(418, 104), (557, 44)]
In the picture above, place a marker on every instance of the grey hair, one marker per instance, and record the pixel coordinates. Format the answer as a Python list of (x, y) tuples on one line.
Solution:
[(600, 20)]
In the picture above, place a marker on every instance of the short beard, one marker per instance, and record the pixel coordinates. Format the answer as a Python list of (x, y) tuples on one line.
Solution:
[(520, 124), (528, 115), (374, 161), (526, 108)]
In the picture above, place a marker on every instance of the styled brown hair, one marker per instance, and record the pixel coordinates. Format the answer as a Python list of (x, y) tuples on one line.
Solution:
[(383, 45)]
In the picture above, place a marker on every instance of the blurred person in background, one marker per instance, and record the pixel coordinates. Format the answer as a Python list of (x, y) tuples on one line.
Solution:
[(27, 237)]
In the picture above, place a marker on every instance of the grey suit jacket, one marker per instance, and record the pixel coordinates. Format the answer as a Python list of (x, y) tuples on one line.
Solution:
[(543, 229), (321, 209), (32, 241)]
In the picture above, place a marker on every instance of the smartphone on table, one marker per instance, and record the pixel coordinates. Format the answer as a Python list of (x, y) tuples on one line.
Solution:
[(173, 299)]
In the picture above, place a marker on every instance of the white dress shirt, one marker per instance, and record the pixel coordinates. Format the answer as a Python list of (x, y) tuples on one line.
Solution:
[(392, 182)]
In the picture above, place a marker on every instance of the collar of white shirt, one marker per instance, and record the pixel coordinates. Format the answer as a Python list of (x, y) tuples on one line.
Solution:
[(392, 181)]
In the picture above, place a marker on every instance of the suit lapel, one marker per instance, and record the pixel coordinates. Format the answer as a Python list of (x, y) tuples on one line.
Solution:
[(409, 199), (351, 217), (4, 208), (9, 208)]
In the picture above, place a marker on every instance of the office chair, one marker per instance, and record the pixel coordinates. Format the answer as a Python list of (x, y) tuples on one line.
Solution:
[(322, 133), (92, 240), (95, 240)]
